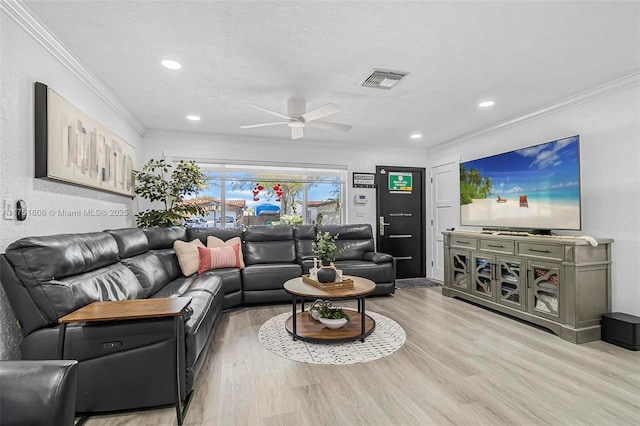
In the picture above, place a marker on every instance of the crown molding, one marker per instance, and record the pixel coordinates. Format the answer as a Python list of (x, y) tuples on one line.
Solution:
[(607, 89), (19, 13)]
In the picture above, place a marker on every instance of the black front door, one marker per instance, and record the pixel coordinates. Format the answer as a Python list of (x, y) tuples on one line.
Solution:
[(401, 218)]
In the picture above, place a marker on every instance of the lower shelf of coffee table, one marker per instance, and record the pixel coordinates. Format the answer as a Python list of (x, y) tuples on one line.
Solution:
[(311, 330)]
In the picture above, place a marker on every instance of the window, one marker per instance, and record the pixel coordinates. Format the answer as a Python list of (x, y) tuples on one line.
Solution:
[(270, 195)]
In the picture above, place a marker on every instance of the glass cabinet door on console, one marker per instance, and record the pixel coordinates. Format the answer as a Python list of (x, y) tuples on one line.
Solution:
[(483, 283), (510, 282), (544, 290), (460, 269)]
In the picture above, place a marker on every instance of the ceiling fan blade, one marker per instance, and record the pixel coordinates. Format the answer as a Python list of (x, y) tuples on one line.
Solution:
[(251, 126), (329, 126), (320, 112), (296, 133), (271, 112)]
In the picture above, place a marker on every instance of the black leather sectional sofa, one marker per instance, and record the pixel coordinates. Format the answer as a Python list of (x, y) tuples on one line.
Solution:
[(38, 392), (130, 364)]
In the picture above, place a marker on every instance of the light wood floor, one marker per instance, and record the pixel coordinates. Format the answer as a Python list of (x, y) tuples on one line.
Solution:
[(460, 365)]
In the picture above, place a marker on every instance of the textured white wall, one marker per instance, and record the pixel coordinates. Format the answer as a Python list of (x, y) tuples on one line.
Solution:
[(288, 152), (22, 62), (609, 129)]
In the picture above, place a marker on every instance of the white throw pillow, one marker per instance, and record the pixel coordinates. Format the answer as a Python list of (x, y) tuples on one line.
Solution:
[(188, 256)]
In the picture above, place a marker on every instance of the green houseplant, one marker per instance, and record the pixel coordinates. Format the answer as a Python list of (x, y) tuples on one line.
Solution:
[(331, 312), (332, 317), (329, 315), (157, 182), (325, 248)]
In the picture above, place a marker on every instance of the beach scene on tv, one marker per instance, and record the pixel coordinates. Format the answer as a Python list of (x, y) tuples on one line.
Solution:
[(531, 188)]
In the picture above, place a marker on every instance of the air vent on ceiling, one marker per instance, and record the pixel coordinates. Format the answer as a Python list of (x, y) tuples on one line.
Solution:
[(383, 79)]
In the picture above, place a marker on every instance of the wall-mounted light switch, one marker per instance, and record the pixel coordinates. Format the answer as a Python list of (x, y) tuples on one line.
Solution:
[(8, 209), (21, 210)]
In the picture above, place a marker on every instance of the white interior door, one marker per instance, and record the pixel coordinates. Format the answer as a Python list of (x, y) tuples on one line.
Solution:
[(445, 211)]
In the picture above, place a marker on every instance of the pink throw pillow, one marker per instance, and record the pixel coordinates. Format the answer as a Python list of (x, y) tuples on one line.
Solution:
[(217, 242), (219, 257)]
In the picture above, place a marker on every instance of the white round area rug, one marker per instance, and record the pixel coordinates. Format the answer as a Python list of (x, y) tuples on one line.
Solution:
[(387, 338)]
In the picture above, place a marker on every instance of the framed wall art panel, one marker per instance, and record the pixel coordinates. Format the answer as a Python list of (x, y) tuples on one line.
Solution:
[(74, 148)]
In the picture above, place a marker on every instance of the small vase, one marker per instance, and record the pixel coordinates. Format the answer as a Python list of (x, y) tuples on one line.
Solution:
[(326, 274)]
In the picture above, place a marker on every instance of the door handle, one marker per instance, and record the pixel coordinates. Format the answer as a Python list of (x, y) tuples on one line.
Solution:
[(382, 225)]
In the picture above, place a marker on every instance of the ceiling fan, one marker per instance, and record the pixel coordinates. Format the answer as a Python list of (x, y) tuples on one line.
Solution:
[(297, 118)]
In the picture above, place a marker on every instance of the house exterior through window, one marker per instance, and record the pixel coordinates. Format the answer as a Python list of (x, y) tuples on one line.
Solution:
[(241, 195)]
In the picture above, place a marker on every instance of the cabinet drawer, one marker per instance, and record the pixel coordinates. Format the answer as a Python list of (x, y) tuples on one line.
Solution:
[(466, 242), (546, 251), (497, 246)]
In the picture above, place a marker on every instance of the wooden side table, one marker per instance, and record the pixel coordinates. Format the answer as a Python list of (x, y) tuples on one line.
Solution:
[(129, 310)]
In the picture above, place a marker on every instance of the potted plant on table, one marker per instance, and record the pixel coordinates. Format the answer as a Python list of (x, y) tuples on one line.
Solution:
[(325, 248), (329, 315), (332, 317)]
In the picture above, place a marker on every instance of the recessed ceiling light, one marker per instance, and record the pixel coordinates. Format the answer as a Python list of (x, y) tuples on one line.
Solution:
[(172, 65), (486, 104), (193, 118), (416, 136)]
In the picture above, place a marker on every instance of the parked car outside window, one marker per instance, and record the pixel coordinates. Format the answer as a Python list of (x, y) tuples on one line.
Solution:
[(198, 222), (230, 221)]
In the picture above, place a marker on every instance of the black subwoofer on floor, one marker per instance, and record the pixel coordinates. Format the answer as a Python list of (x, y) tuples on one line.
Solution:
[(621, 330)]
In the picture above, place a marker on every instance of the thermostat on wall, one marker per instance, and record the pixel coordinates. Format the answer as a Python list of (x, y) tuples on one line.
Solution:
[(360, 199)]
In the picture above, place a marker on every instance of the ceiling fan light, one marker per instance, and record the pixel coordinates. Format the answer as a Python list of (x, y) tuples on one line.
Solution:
[(296, 124)]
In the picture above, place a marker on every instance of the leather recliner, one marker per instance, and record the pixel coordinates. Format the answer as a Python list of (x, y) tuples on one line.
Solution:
[(38, 392), (356, 255), (270, 260), (123, 364)]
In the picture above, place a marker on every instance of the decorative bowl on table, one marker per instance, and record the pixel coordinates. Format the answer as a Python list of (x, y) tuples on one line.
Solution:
[(333, 323)]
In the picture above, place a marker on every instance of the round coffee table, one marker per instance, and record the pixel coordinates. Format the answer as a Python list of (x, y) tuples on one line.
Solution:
[(302, 326)]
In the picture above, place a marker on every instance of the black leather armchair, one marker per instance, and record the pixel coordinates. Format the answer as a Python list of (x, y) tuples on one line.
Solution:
[(38, 392)]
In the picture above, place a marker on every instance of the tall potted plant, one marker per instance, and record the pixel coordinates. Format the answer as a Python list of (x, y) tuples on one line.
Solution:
[(325, 248), (157, 182)]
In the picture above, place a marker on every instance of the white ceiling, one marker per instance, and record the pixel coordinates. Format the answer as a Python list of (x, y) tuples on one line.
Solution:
[(523, 55)]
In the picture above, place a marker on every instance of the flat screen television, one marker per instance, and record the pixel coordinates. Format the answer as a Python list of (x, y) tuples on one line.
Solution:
[(534, 189)]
